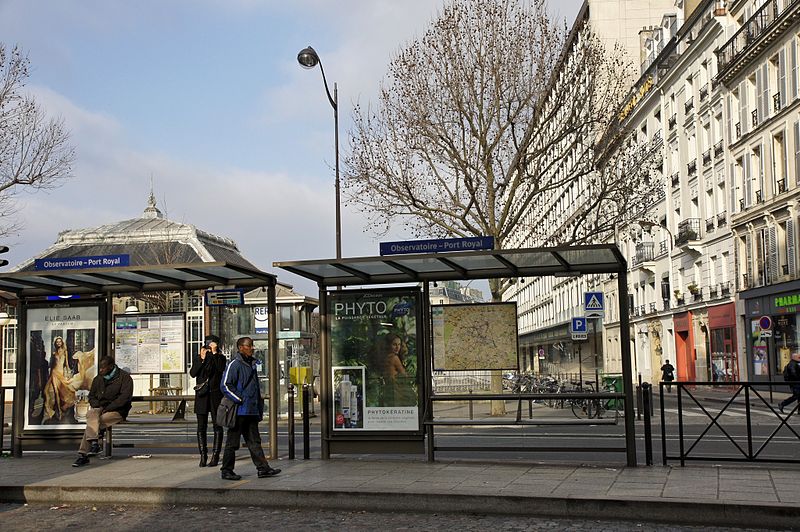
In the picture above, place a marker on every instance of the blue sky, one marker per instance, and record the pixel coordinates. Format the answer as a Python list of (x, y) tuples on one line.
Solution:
[(206, 96)]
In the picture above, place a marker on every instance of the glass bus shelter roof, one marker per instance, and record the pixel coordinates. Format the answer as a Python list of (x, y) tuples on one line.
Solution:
[(130, 279), (460, 265)]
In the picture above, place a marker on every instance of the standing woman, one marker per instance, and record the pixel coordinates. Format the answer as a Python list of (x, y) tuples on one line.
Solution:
[(208, 367)]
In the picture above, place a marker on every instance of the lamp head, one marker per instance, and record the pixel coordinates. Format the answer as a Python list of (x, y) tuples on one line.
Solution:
[(308, 58)]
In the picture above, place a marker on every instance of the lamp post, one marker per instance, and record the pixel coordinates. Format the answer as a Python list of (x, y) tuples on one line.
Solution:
[(308, 58)]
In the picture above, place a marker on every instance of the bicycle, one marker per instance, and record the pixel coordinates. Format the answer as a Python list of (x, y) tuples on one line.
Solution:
[(591, 408)]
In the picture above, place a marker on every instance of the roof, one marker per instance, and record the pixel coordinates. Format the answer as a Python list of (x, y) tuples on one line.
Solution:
[(187, 276), (150, 239), (493, 264)]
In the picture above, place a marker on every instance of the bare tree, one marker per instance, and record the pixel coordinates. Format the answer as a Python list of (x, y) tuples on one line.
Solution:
[(35, 152), (486, 118)]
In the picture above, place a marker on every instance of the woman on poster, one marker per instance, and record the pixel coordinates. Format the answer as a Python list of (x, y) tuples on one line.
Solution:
[(398, 389), (208, 366), (59, 397)]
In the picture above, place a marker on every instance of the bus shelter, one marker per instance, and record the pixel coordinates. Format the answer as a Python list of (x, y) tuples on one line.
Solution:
[(76, 305), (360, 414)]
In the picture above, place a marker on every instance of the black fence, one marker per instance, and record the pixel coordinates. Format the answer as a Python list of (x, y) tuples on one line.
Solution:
[(730, 423)]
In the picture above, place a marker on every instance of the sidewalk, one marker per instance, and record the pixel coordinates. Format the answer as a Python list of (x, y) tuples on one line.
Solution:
[(732, 495)]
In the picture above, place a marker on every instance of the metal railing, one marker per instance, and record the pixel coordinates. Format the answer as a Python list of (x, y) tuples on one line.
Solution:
[(745, 445), (754, 116), (718, 147), (689, 105), (673, 120), (644, 252), (703, 92), (722, 218), (776, 101), (688, 229), (781, 186), (750, 31), (739, 130), (676, 179), (707, 156), (691, 167)]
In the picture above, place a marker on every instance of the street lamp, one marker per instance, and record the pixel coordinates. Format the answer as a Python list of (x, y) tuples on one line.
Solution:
[(647, 225), (308, 58)]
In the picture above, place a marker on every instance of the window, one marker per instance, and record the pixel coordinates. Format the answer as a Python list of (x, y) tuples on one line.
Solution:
[(286, 317), (779, 163), (9, 348)]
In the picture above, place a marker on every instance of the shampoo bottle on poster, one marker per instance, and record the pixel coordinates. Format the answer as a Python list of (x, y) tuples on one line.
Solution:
[(354, 407), (344, 392)]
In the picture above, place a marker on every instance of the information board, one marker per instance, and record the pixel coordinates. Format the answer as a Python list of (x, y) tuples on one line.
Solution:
[(150, 343), (475, 337)]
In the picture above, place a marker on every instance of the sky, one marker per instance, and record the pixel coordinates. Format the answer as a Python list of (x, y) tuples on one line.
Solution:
[(206, 100)]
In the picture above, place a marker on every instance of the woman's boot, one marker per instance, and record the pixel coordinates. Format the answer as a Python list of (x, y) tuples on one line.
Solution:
[(217, 446), (202, 446)]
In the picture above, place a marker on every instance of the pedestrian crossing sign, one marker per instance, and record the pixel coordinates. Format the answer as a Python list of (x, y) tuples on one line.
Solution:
[(593, 304)]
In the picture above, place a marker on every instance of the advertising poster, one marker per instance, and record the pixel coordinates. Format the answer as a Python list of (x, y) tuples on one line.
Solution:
[(150, 344), (62, 361), (474, 337), (375, 360)]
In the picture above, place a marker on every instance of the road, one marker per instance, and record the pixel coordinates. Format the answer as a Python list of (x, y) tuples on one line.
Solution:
[(180, 518)]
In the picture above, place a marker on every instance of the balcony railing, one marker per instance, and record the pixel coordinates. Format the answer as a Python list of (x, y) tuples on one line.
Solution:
[(739, 130), (676, 179), (673, 120), (759, 196), (661, 194), (750, 31), (724, 288), (722, 219), (718, 147), (707, 157), (691, 168), (653, 308), (703, 92), (644, 252), (781, 186), (747, 282), (741, 204), (688, 230), (754, 116), (658, 136), (776, 101), (689, 105), (710, 224), (663, 247)]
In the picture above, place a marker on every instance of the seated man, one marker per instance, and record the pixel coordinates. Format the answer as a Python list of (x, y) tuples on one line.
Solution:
[(110, 401)]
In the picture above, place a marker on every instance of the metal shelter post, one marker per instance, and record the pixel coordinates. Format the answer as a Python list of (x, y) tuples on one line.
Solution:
[(274, 371), (627, 368), (427, 370), (325, 372)]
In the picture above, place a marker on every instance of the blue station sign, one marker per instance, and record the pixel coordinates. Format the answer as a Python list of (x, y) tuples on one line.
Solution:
[(77, 263), (470, 243)]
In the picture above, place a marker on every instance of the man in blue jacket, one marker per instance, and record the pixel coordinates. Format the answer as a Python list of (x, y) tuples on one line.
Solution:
[(240, 384)]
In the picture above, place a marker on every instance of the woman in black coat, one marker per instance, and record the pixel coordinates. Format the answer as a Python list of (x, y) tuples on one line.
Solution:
[(208, 367)]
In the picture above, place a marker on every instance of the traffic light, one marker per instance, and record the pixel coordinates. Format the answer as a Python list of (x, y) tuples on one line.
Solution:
[(3, 262)]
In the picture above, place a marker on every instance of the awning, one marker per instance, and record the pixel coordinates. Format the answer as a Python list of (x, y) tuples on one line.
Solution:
[(132, 279), (505, 263)]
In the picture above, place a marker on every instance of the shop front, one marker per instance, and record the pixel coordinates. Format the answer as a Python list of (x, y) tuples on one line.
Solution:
[(771, 327), (722, 331), (684, 347)]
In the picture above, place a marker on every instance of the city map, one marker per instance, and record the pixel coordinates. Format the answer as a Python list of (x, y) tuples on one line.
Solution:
[(473, 337)]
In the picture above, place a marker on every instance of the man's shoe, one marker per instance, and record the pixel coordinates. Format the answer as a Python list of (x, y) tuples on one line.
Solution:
[(230, 475), (780, 407), (81, 461), (268, 472), (94, 450)]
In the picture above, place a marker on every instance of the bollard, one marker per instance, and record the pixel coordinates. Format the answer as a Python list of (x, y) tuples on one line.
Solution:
[(638, 403), (647, 398), (291, 422), (470, 404), (306, 439)]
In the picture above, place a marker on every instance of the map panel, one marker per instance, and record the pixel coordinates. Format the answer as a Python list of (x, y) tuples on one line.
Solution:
[(475, 337)]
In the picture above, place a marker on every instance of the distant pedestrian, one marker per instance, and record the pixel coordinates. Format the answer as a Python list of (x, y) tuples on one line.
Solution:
[(668, 374), (208, 367), (240, 384), (791, 374), (110, 400)]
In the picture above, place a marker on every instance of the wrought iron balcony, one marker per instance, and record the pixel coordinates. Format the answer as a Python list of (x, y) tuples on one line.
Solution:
[(691, 168), (689, 105), (781, 186), (747, 282), (688, 230), (663, 247), (741, 204), (676, 179), (712, 291), (725, 288), (658, 136), (644, 252), (703, 92), (759, 196), (754, 116), (718, 147), (756, 25), (710, 224), (707, 157), (673, 120), (739, 130), (722, 219), (776, 101), (653, 308)]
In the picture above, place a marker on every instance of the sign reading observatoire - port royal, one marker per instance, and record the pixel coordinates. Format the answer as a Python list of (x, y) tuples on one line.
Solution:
[(470, 243)]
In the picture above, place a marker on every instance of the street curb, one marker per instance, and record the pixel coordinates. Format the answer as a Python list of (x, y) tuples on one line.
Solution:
[(673, 511)]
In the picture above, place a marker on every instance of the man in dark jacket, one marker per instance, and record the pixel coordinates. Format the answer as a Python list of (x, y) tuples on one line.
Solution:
[(792, 375), (240, 385), (110, 400)]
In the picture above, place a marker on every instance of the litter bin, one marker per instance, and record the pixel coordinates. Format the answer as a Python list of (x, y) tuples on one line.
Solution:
[(613, 383)]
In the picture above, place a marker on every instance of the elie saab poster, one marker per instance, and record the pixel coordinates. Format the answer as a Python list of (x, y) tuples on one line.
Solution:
[(62, 361), (375, 362)]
